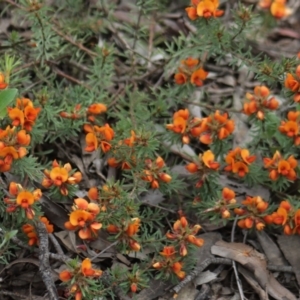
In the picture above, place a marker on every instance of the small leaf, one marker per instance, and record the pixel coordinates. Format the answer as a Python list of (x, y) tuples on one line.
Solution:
[(10, 234), (6, 97)]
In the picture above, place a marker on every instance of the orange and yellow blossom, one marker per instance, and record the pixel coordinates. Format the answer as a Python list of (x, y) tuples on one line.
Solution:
[(217, 126), (183, 234), (277, 8), (128, 231), (61, 177), (291, 127), (185, 125), (12, 144), (168, 263), (238, 161), (98, 137), (29, 230), (204, 9), (24, 114), (259, 102), (94, 110), (252, 213), (288, 217), (83, 218), (203, 166), (22, 198), (81, 273), (153, 173), (125, 163), (3, 83), (190, 70), (224, 205), (277, 166), (292, 82)]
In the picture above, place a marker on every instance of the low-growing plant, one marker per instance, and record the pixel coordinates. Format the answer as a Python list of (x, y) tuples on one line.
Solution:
[(100, 127)]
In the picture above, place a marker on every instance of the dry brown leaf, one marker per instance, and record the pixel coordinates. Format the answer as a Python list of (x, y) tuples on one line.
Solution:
[(248, 276), (272, 252), (256, 263), (290, 246)]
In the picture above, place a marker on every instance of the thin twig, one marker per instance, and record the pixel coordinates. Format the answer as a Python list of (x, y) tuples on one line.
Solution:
[(45, 269), (105, 249), (199, 269), (56, 244), (13, 294), (236, 273)]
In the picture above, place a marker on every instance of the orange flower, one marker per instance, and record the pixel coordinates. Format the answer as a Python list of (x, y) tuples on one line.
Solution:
[(99, 136), (292, 82), (97, 108), (87, 270), (260, 102), (176, 267), (208, 9), (204, 8), (133, 227), (215, 126), (190, 70), (25, 199), (279, 10), (238, 160), (168, 251), (198, 76), (278, 166), (59, 175), (17, 116), (180, 78), (3, 84), (79, 218), (65, 276)]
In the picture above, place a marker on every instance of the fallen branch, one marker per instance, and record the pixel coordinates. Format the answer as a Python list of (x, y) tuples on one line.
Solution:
[(45, 269)]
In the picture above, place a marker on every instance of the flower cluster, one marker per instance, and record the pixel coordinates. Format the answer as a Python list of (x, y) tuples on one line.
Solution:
[(84, 218), (30, 231), (12, 144), (22, 199), (3, 83), (280, 167), (291, 127), (215, 126), (191, 71), (225, 204), (252, 213), (292, 82), (104, 196), (98, 137), (127, 233), (169, 263), (286, 216), (61, 177), (79, 276), (204, 9), (153, 173), (277, 8), (185, 125), (124, 146), (260, 102), (91, 112), (24, 114), (238, 161), (203, 166), (184, 235)]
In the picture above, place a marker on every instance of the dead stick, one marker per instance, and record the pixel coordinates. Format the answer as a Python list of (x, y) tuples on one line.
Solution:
[(236, 273), (44, 268)]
